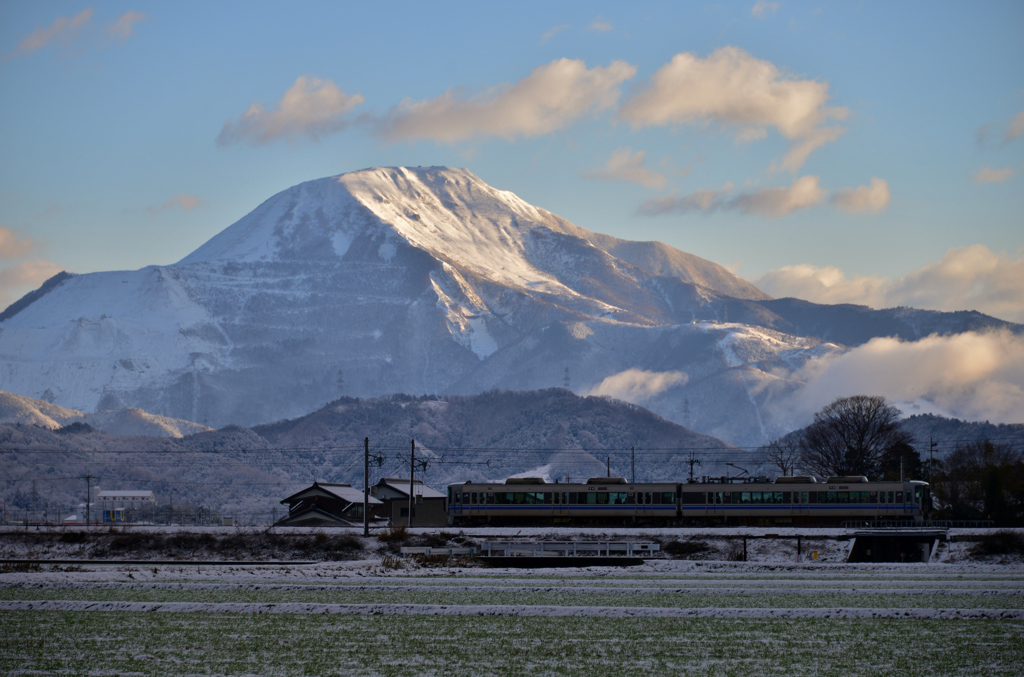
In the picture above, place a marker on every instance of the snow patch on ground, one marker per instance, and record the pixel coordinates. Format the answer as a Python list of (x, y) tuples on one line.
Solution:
[(510, 610)]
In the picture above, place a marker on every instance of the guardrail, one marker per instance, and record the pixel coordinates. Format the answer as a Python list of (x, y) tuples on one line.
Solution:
[(911, 524), (566, 549)]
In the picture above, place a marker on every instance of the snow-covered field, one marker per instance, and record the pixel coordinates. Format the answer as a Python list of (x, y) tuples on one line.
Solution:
[(382, 615)]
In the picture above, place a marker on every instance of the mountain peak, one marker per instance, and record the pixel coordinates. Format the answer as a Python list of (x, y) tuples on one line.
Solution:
[(447, 212)]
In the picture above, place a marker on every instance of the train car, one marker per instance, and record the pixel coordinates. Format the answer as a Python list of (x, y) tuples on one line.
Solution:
[(530, 501), (611, 501), (803, 501)]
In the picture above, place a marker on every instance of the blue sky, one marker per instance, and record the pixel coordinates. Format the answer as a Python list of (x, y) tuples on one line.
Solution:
[(864, 152)]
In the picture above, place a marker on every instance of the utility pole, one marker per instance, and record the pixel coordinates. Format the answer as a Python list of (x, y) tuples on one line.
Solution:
[(632, 464), (608, 461), (412, 470), (366, 484), (88, 500), (693, 461), (931, 457)]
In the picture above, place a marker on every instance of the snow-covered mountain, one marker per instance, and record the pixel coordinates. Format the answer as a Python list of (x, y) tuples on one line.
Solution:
[(415, 280), (18, 409)]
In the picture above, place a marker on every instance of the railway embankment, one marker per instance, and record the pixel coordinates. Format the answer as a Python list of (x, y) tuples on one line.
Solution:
[(249, 544)]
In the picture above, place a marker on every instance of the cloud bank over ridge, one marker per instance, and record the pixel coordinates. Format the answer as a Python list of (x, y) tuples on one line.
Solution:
[(972, 376), (966, 278)]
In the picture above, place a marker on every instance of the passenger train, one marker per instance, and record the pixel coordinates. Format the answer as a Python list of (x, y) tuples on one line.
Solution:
[(608, 501)]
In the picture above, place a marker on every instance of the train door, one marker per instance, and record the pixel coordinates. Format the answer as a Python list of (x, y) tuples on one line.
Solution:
[(714, 506), (644, 501), (800, 506), (560, 506)]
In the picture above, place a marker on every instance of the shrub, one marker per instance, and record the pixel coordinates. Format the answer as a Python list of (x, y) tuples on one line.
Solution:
[(685, 549), (394, 534), (999, 543)]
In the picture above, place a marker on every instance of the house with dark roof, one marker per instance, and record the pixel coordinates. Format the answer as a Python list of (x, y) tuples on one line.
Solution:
[(430, 506), (328, 505)]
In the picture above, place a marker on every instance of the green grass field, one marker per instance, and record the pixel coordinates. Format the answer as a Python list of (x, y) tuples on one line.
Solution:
[(244, 644), (217, 643)]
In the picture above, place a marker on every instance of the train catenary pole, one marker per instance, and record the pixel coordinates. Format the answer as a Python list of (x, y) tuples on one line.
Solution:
[(632, 465), (88, 499), (366, 486), (412, 470)]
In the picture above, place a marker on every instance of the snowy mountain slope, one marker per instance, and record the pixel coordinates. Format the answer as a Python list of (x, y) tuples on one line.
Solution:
[(414, 280), (128, 421)]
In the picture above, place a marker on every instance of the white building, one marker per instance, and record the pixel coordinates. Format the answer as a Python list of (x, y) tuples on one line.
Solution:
[(111, 500)]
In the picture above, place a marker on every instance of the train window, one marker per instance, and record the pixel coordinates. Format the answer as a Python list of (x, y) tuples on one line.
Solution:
[(787, 496), (873, 497), (574, 498), (726, 497), (472, 498), (812, 497), (669, 498), (865, 497), (899, 496), (490, 498), (557, 497), (917, 495), (718, 498), (891, 499), (657, 498), (755, 496), (829, 497), (803, 497), (617, 498), (711, 497), (744, 497), (843, 496), (548, 499), (779, 497)]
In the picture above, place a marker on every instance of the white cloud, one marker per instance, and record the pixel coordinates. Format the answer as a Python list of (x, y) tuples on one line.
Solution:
[(553, 32), (989, 175), (967, 278), (599, 25), (13, 245), (124, 27), (805, 192), (974, 376), (637, 385), (871, 198), (182, 201), (550, 98), (62, 28), (312, 107), (18, 280), (771, 202), (762, 9), (625, 165), (1011, 130), (732, 88), (1016, 127)]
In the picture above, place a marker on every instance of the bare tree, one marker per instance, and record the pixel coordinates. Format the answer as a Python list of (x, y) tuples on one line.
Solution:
[(782, 453), (850, 436)]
